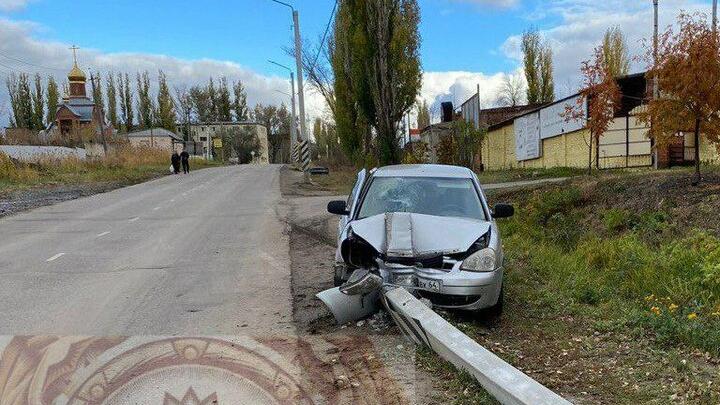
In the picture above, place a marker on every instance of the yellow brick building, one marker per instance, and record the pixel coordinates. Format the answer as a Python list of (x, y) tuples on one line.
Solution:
[(553, 143)]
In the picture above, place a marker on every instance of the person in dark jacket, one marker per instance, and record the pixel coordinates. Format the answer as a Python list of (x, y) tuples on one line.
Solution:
[(185, 158), (175, 160)]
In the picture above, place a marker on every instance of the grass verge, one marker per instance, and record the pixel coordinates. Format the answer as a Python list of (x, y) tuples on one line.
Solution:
[(125, 165)]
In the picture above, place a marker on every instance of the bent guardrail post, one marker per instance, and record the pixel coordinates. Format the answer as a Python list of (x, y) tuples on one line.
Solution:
[(503, 381)]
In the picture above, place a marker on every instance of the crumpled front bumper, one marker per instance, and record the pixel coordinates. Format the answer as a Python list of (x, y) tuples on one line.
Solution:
[(451, 289)]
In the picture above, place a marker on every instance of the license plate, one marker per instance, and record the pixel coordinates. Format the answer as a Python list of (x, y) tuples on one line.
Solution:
[(431, 285)]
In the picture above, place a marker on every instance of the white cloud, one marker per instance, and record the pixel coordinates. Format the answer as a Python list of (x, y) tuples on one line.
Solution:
[(12, 5), (583, 23), (458, 87), (54, 58)]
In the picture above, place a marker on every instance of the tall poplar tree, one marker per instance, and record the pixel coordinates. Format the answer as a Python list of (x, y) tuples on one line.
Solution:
[(53, 99), (376, 65), (538, 64), (165, 105), (126, 102), (224, 102), (144, 103), (97, 92), (38, 102), (111, 93), (240, 102), (615, 52)]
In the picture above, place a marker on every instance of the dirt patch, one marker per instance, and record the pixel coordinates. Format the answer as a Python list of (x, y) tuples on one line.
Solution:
[(22, 200)]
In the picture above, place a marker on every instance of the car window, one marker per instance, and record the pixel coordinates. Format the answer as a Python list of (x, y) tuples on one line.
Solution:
[(445, 197), (356, 189)]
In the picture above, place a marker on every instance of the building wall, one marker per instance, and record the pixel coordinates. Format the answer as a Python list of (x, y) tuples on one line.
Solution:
[(567, 150), (162, 143), (201, 132)]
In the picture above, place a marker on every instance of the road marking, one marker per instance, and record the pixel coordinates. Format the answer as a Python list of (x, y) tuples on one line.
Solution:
[(172, 200), (57, 256), (156, 208), (134, 219), (100, 235)]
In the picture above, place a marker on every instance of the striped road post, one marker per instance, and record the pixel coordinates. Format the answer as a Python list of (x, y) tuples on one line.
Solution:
[(304, 155)]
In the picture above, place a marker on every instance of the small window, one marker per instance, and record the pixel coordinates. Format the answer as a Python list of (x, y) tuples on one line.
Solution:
[(203, 139)]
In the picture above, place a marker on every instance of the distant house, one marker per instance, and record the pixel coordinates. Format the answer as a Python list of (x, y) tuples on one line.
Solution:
[(158, 138), (208, 134)]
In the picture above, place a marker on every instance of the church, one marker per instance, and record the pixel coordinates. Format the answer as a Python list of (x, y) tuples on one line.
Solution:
[(77, 112)]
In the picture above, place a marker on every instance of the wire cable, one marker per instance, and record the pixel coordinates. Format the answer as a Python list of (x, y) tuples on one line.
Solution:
[(322, 41)]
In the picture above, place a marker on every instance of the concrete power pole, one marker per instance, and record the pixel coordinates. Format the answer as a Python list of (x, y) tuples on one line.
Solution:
[(293, 127), (656, 82), (298, 61), (714, 16)]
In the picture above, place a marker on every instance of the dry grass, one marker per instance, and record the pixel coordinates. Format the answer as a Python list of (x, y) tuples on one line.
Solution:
[(125, 164)]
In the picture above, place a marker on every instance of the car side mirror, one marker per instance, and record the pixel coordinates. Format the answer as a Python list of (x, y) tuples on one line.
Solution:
[(338, 208), (503, 211)]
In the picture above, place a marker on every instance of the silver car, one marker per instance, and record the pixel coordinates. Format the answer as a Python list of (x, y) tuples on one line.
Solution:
[(427, 228)]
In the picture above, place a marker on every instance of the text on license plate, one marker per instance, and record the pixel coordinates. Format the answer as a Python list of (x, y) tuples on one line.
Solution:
[(432, 285)]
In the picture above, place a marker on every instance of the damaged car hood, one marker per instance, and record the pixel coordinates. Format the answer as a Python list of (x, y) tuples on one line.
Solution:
[(403, 234)]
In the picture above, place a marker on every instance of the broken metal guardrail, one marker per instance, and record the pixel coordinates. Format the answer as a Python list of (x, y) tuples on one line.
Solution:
[(503, 381)]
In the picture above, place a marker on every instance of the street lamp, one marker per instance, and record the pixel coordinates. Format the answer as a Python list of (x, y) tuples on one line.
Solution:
[(293, 136), (298, 63)]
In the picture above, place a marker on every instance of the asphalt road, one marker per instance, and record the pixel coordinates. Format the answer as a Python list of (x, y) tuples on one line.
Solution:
[(202, 254)]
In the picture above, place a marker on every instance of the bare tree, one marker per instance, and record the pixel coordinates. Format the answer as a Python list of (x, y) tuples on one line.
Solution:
[(511, 91)]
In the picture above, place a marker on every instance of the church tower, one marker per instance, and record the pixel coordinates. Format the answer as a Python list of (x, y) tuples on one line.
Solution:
[(77, 79)]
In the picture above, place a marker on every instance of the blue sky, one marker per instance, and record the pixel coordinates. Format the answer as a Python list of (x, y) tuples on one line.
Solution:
[(465, 43), (456, 35)]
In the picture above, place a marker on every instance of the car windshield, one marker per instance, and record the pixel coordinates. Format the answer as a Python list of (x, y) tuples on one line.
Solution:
[(444, 197)]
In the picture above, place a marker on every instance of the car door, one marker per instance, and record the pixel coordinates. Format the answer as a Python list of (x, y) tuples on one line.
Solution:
[(351, 203)]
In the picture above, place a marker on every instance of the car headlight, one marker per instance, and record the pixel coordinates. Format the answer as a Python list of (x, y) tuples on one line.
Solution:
[(482, 261)]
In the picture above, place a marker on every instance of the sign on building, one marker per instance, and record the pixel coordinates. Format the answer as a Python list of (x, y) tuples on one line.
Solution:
[(552, 120), (527, 137)]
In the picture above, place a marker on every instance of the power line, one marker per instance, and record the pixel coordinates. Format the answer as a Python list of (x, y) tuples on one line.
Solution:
[(31, 64), (322, 42)]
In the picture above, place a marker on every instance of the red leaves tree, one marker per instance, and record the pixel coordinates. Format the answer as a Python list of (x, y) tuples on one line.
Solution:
[(688, 72), (602, 95)]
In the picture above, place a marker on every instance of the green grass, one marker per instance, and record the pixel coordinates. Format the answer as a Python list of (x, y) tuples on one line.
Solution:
[(459, 387), (632, 268)]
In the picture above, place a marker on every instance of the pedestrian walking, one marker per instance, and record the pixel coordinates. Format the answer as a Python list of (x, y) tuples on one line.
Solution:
[(185, 158), (175, 160)]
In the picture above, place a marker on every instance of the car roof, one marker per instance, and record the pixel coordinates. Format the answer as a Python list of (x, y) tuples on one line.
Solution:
[(424, 171)]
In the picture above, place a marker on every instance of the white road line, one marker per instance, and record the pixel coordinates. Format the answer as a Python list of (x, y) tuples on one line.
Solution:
[(134, 219), (100, 235), (156, 208), (57, 256), (172, 200)]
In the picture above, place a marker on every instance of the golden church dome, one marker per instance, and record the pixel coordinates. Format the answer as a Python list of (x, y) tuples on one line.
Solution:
[(76, 74)]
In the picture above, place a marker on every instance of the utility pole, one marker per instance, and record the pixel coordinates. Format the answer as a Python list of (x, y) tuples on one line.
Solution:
[(656, 87), (102, 115), (714, 17), (656, 82), (293, 127), (298, 61), (299, 66)]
